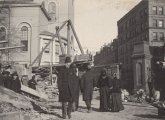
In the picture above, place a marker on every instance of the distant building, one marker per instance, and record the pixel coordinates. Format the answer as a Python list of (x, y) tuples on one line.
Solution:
[(108, 54), (33, 23)]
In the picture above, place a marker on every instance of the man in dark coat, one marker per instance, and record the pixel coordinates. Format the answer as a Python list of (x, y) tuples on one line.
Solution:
[(32, 83), (67, 87), (7, 79), (87, 85), (76, 83), (16, 83), (1, 77)]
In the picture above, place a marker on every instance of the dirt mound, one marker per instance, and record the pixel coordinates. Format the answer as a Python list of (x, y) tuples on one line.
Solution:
[(10, 101)]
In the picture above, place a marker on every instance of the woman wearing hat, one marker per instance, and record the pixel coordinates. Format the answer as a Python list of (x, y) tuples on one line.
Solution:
[(116, 104), (7, 79), (104, 85), (16, 84)]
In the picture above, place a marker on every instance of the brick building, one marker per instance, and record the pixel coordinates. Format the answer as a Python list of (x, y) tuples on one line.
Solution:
[(108, 54), (140, 43)]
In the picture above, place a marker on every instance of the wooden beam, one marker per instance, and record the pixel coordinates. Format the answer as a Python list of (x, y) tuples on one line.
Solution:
[(7, 48), (59, 37), (74, 32), (40, 54), (56, 35), (1, 42)]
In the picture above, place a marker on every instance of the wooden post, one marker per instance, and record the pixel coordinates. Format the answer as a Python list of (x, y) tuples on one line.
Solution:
[(74, 32), (59, 37), (68, 42)]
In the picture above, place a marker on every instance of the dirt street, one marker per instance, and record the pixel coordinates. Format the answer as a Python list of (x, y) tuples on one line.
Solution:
[(133, 111)]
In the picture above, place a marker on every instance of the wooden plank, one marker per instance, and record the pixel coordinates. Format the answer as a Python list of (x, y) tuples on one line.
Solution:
[(7, 48), (1, 42)]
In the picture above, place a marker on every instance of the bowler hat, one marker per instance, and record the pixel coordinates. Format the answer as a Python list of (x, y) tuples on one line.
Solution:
[(67, 60), (15, 74), (5, 73)]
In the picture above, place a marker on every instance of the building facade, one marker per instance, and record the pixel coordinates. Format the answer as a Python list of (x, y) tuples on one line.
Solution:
[(32, 24), (108, 54), (141, 31), (140, 43)]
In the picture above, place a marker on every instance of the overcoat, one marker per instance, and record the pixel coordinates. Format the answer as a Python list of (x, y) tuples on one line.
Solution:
[(67, 84), (116, 104), (1, 80), (104, 83), (87, 84), (7, 81), (16, 85), (32, 84)]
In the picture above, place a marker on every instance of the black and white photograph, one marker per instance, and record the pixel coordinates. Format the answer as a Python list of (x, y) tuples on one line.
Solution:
[(82, 59)]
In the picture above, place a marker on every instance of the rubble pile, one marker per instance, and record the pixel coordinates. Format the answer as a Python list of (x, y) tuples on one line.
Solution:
[(7, 107), (138, 96), (14, 100)]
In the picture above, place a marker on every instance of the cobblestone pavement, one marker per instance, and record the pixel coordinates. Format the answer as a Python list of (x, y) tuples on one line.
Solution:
[(133, 111)]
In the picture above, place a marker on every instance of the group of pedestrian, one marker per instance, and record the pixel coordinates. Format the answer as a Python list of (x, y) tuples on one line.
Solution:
[(10, 80), (69, 84), (110, 93)]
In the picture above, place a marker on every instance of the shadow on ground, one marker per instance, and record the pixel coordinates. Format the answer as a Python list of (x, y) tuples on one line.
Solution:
[(149, 116), (138, 105), (84, 109)]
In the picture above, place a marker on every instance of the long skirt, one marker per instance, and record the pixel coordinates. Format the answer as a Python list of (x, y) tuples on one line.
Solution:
[(116, 102), (104, 99)]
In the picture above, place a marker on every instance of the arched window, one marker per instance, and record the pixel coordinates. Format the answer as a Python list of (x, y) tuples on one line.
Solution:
[(24, 38), (52, 10), (2, 33)]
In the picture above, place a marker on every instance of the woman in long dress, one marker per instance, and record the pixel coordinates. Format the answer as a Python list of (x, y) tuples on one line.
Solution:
[(104, 85), (116, 101)]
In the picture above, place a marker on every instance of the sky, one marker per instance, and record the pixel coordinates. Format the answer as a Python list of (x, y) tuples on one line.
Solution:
[(96, 21)]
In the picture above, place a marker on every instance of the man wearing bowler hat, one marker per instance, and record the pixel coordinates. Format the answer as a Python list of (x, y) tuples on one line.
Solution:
[(66, 88), (87, 85)]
